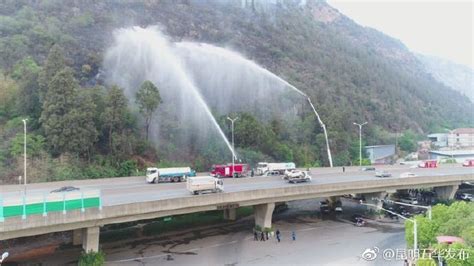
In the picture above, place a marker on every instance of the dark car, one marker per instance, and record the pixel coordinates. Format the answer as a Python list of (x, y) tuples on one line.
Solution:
[(404, 212), (65, 189), (390, 214), (324, 207), (356, 217)]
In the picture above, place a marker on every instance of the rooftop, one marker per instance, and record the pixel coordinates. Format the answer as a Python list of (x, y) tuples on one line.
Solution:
[(454, 152), (463, 131)]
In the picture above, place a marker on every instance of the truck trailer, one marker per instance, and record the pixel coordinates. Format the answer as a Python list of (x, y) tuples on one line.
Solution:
[(174, 174), (226, 170), (264, 167), (204, 184)]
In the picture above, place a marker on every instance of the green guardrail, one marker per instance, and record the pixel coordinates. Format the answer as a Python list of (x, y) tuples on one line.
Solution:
[(46, 206)]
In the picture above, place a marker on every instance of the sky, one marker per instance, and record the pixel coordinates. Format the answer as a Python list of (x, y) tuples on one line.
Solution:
[(438, 28)]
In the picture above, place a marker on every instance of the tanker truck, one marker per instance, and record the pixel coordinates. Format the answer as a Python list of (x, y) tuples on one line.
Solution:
[(204, 184), (264, 167), (162, 175)]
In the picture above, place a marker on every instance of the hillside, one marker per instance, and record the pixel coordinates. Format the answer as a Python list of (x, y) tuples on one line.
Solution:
[(350, 72), (456, 76)]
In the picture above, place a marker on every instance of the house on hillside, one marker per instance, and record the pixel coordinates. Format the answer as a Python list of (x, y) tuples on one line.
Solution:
[(461, 138), (381, 154), (439, 139)]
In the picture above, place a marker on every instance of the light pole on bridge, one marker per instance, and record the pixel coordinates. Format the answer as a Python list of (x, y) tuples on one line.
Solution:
[(360, 141), (24, 153)]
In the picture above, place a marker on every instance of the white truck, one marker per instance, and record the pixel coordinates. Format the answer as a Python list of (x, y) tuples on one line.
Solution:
[(264, 167), (175, 174), (204, 184), (296, 176)]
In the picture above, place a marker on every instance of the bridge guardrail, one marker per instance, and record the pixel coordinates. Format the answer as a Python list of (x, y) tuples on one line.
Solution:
[(24, 205)]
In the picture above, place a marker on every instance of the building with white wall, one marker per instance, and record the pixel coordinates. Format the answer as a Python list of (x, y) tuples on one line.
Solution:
[(461, 138)]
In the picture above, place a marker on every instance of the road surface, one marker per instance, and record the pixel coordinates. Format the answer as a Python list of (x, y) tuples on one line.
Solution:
[(125, 190)]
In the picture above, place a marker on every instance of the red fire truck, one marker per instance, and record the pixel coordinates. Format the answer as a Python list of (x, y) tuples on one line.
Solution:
[(428, 164), (226, 170), (468, 163)]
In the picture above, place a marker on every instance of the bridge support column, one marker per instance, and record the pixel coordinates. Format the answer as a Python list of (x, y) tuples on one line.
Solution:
[(376, 198), (77, 237), (90, 239), (333, 202), (446, 192), (230, 214), (263, 215)]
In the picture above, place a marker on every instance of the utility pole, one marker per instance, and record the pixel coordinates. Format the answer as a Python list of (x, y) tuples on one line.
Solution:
[(360, 141), (233, 147), (24, 153)]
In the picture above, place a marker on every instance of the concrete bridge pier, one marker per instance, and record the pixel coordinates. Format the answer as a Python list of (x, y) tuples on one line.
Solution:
[(230, 214), (76, 237), (90, 239), (446, 192), (263, 215), (376, 198)]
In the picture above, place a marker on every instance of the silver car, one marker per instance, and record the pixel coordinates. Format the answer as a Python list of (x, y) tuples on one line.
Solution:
[(382, 174)]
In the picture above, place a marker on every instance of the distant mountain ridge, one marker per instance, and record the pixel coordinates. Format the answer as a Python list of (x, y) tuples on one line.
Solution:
[(456, 76)]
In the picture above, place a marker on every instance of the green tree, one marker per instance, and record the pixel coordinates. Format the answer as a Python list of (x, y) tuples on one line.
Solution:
[(54, 63), (148, 99), (81, 126), (34, 145), (456, 219), (248, 132), (92, 258), (26, 72), (407, 141), (115, 113), (24, 66), (8, 95), (58, 103)]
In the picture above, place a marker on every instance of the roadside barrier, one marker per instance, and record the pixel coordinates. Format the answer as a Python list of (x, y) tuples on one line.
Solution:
[(24, 205)]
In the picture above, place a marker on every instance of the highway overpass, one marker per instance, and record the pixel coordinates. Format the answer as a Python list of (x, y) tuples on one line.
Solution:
[(131, 199)]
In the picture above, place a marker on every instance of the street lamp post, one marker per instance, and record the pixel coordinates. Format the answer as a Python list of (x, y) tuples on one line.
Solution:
[(24, 153), (233, 147), (415, 226), (360, 141)]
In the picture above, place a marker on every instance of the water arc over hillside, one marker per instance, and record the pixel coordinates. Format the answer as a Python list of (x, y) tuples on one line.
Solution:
[(193, 79)]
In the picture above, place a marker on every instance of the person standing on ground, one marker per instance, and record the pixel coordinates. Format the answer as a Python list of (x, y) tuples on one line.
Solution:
[(343, 169), (293, 235), (262, 236), (278, 235), (266, 234), (255, 235)]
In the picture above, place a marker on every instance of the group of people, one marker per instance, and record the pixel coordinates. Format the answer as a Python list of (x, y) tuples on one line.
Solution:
[(265, 235)]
